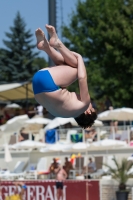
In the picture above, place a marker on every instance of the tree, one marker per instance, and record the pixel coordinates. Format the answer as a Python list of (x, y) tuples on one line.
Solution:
[(17, 61), (2, 66), (40, 62), (101, 31)]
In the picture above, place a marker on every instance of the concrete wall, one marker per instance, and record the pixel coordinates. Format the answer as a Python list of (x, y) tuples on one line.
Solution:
[(109, 187)]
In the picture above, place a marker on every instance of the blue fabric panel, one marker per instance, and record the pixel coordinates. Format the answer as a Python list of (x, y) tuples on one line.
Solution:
[(50, 136)]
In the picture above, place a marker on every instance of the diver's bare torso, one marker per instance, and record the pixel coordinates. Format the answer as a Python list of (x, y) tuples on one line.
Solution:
[(61, 103)]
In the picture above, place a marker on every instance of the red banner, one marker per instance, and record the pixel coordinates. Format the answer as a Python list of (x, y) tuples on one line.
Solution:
[(46, 190)]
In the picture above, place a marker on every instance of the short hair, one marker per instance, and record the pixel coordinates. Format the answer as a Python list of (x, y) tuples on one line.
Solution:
[(86, 120)]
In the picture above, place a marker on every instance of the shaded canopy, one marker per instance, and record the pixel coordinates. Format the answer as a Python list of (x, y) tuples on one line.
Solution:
[(16, 91)]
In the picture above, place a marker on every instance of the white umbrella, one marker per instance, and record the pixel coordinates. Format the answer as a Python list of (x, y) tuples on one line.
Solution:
[(45, 149), (77, 147), (8, 157), (123, 114), (109, 143), (98, 123), (28, 144), (80, 146), (106, 115), (60, 147), (38, 120), (120, 114), (13, 105), (57, 147), (14, 124), (58, 121)]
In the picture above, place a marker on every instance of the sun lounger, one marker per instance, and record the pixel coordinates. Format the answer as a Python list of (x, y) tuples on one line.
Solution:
[(19, 168)]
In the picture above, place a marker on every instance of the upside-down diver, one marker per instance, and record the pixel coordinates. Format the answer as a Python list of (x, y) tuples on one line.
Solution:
[(49, 84)]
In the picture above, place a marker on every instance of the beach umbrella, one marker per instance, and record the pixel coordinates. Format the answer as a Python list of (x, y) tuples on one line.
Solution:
[(120, 114), (98, 123), (8, 157), (38, 120), (57, 147), (60, 147), (58, 121), (14, 124), (44, 150), (107, 143), (106, 115), (35, 124), (28, 144), (81, 146), (123, 114), (13, 105)]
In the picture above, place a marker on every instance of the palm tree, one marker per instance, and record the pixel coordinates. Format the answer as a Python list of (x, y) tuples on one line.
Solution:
[(121, 172)]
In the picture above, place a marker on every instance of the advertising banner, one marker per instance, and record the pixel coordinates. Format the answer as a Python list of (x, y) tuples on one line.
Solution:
[(46, 190)]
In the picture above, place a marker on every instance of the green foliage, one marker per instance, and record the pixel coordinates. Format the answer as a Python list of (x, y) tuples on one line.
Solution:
[(40, 62), (101, 31), (121, 172), (18, 62)]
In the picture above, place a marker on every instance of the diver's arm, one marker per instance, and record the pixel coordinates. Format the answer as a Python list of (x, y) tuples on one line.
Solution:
[(82, 79)]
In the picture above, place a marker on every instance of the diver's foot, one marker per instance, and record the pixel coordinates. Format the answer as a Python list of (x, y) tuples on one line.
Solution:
[(42, 42), (54, 40)]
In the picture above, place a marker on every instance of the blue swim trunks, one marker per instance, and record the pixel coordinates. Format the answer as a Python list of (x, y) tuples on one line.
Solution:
[(43, 82), (24, 187)]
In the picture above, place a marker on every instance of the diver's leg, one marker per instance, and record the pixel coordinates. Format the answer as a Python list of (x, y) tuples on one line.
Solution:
[(43, 44), (63, 75), (68, 56)]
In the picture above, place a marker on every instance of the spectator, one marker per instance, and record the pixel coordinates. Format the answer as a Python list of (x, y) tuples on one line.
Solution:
[(67, 166), (23, 135), (18, 195), (90, 133), (39, 110), (6, 115), (61, 176), (91, 167), (53, 166), (31, 111), (107, 103), (114, 126), (23, 189)]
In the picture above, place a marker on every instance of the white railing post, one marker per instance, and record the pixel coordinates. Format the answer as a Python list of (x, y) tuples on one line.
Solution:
[(113, 132), (128, 135), (98, 134)]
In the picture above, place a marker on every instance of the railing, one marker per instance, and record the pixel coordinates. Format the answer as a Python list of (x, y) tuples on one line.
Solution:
[(122, 133)]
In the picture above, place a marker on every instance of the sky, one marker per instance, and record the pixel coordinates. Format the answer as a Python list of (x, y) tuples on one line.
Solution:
[(35, 15)]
